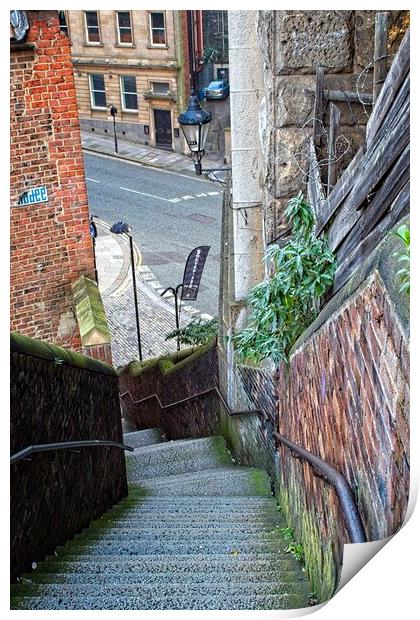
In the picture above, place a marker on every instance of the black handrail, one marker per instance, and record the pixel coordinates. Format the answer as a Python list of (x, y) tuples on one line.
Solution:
[(342, 488), (65, 445), (325, 470), (193, 397)]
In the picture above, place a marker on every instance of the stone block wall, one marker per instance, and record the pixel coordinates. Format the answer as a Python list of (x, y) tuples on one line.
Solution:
[(293, 43), (50, 241), (172, 379), (345, 398), (59, 396)]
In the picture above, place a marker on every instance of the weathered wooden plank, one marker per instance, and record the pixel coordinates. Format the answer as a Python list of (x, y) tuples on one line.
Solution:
[(396, 75), (340, 191), (399, 208), (394, 110), (393, 183), (332, 146), (318, 105), (380, 52), (374, 166), (316, 193)]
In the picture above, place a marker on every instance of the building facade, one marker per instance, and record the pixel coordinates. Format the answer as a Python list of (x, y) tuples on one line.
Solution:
[(51, 246), (133, 60)]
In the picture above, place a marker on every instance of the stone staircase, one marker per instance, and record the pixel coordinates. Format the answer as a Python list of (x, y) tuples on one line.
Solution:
[(195, 532)]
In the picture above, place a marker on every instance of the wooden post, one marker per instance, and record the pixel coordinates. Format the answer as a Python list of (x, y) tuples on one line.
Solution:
[(318, 105), (380, 53), (332, 146)]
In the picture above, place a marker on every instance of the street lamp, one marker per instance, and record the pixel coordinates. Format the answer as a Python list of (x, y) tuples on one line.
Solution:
[(119, 228), (194, 123), (113, 111)]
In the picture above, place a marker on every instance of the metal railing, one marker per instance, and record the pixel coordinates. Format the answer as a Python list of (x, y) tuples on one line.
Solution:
[(323, 469), (341, 486), (66, 445), (193, 397)]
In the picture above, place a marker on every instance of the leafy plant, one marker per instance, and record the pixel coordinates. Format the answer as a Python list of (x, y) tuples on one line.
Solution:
[(196, 332), (294, 548), (285, 303), (403, 256)]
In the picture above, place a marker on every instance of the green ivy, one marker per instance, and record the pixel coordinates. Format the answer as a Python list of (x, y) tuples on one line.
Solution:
[(196, 332), (285, 303), (403, 256)]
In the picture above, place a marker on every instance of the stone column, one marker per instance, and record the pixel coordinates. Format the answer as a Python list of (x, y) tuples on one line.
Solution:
[(246, 92)]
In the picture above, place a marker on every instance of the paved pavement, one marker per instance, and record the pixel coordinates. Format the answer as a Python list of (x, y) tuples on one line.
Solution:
[(146, 155), (156, 314)]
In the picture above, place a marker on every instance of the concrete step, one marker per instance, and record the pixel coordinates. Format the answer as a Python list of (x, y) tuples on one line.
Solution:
[(191, 601), (182, 529), (231, 574), (234, 481), (199, 535), (176, 457), (160, 590), (185, 564), (165, 547), (139, 439)]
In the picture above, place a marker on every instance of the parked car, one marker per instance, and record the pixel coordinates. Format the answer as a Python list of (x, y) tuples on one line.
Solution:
[(219, 89)]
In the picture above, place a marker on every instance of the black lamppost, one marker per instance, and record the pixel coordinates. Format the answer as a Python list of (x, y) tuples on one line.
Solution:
[(113, 111), (194, 123), (119, 228), (93, 233)]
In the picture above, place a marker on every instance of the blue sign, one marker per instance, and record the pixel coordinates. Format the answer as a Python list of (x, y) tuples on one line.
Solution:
[(33, 196)]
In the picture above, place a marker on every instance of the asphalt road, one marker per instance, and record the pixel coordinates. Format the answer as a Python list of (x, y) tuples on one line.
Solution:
[(170, 214)]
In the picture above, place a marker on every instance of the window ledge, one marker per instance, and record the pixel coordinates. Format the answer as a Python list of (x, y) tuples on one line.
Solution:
[(157, 47), (93, 44), (130, 45), (130, 111), (169, 97)]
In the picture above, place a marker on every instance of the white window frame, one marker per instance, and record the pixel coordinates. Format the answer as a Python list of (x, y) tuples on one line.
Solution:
[(151, 29), (87, 28), (125, 28), (92, 90), (154, 92), (123, 93)]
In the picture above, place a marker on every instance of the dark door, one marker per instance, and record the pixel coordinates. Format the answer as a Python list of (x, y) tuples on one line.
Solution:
[(163, 128)]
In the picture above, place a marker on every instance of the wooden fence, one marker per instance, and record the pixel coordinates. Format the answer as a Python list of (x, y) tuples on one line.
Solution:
[(372, 195)]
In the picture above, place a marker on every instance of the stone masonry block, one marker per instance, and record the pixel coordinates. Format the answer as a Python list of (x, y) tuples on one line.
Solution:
[(241, 24), (248, 69), (308, 38), (290, 162), (243, 125), (295, 107), (245, 166)]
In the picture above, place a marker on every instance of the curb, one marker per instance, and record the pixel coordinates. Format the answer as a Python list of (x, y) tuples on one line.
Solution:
[(184, 171), (147, 277), (138, 259)]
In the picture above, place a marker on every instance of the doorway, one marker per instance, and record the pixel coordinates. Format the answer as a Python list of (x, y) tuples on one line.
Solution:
[(163, 128)]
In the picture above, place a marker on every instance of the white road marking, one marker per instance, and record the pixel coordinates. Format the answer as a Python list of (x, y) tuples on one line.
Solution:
[(201, 195), (213, 193), (93, 180), (134, 191), (187, 197), (175, 200), (143, 165)]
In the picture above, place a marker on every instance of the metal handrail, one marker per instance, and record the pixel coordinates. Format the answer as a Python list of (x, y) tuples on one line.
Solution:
[(193, 397), (341, 486), (322, 468), (65, 445)]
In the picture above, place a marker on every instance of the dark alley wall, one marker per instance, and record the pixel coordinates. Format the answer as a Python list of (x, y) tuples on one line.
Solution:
[(59, 396)]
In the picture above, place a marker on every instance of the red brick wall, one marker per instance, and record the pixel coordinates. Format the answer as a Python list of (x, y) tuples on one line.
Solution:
[(50, 242), (345, 398)]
